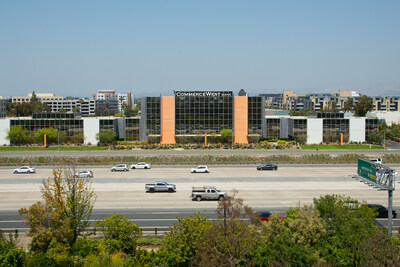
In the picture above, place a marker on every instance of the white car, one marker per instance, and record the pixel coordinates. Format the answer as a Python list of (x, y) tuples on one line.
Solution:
[(200, 169), (25, 169), (141, 165), (120, 167), (376, 161), (85, 174)]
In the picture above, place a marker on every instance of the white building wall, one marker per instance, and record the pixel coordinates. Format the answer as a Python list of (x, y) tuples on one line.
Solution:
[(357, 130), (390, 117), (91, 127), (314, 131), (4, 128)]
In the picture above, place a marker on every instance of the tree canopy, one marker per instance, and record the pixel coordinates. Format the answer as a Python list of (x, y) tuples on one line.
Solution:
[(363, 105), (64, 213)]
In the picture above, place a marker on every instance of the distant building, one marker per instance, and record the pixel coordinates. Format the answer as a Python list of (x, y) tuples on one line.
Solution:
[(290, 100), (86, 106), (40, 96), (110, 96), (3, 103)]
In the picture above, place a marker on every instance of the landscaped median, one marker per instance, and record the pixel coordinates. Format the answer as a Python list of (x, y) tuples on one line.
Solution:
[(195, 159), (335, 146)]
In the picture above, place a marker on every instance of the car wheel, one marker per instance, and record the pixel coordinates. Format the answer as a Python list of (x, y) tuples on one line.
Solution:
[(207, 171), (151, 190), (276, 168), (145, 167), (193, 171), (133, 167), (198, 198), (15, 172), (170, 190), (221, 198), (126, 170), (29, 171)]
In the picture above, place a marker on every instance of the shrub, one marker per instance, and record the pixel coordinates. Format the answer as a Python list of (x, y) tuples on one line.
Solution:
[(106, 137)]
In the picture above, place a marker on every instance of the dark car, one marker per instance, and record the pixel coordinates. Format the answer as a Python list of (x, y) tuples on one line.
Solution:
[(382, 211), (265, 215), (267, 167)]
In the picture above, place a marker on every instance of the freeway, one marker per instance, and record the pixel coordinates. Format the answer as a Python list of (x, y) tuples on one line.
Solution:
[(123, 192)]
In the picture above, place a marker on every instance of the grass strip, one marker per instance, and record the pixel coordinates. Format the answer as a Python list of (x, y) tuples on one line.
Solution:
[(350, 146), (52, 148), (194, 159)]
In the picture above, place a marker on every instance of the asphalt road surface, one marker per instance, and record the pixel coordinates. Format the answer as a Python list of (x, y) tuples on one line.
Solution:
[(123, 192)]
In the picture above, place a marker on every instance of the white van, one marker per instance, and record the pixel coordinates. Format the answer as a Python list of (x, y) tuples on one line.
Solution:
[(376, 161)]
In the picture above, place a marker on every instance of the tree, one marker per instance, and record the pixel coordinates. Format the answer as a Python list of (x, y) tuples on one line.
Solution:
[(348, 104), (106, 137), (230, 240), (10, 254), (348, 222), (76, 109), (379, 249), (375, 138), (292, 241), (363, 105), (301, 112), (181, 242), (63, 110), (18, 135), (38, 107), (33, 98), (242, 92), (64, 213), (104, 110), (226, 135), (51, 133), (121, 231), (23, 109)]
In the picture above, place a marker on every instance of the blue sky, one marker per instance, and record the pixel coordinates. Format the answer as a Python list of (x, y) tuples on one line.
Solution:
[(154, 47)]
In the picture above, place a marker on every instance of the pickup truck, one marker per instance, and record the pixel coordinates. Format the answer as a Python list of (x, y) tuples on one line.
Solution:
[(160, 186), (207, 193)]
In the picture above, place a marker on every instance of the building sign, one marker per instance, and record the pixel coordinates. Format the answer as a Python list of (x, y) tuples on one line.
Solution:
[(204, 93), (366, 169)]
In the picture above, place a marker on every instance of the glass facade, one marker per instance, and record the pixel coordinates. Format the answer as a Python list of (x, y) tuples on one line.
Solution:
[(153, 116), (107, 125), (132, 129), (255, 114), (53, 115), (326, 115), (199, 113), (70, 130), (300, 130), (371, 125), (332, 128), (273, 127)]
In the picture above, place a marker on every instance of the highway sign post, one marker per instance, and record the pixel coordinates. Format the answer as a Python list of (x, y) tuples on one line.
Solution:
[(380, 177)]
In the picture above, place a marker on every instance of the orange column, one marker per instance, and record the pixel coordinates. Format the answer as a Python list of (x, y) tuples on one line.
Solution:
[(240, 121), (167, 120)]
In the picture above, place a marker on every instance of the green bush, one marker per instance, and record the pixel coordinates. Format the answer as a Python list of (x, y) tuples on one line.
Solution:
[(85, 246), (18, 135), (106, 137), (120, 232)]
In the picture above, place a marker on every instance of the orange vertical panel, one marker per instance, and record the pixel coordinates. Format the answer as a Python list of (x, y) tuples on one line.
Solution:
[(240, 121), (167, 120)]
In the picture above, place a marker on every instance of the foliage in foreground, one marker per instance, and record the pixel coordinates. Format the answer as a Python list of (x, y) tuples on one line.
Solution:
[(335, 231)]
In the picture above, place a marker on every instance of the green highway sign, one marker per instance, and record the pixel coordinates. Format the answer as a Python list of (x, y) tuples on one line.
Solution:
[(366, 169)]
